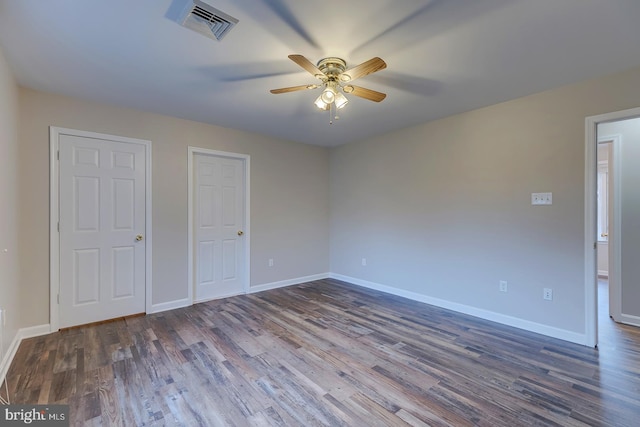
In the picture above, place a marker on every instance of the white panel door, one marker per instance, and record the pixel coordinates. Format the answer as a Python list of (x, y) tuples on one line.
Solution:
[(102, 224), (219, 194), (603, 214)]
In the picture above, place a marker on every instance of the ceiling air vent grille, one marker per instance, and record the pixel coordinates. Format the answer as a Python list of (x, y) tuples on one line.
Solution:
[(207, 20)]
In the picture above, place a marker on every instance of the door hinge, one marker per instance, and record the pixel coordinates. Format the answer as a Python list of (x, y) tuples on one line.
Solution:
[(58, 226), (58, 154), (595, 245), (58, 298)]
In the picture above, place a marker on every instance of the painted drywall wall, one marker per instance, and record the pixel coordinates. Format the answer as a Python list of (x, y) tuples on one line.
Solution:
[(444, 209), (9, 273), (629, 131), (289, 194)]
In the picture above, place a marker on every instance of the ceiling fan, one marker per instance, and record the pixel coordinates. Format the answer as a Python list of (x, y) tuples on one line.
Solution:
[(336, 80)]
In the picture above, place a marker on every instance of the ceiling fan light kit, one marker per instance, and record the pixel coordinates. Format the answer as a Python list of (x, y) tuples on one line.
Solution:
[(329, 94), (340, 100), (333, 73)]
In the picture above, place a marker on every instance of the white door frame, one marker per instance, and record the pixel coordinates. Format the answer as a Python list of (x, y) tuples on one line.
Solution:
[(590, 218), (192, 151), (54, 215)]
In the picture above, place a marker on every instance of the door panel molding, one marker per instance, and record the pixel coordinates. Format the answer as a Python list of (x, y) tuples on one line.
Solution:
[(55, 133), (192, 152)]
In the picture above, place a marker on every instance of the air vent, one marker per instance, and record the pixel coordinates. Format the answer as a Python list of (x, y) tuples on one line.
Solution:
[(207, 20)]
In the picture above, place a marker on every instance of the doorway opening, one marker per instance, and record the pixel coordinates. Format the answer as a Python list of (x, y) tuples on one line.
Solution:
[(604, 231)]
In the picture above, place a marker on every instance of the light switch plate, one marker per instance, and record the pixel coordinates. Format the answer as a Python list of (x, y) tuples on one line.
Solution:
[(541, 198)]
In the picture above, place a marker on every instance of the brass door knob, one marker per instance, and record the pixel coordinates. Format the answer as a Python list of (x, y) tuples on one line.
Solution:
[(240, 232), (139, 237)]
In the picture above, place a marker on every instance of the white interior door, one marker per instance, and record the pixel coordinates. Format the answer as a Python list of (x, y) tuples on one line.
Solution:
[(603, 208), (608, 218), (102, 185), (219, 240), (614, 235)]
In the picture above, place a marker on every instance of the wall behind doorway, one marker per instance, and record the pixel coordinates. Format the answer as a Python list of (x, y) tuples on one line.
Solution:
[(443, 210), (289, 195)]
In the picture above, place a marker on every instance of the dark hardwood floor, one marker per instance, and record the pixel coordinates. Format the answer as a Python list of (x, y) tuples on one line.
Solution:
[(326, 353)]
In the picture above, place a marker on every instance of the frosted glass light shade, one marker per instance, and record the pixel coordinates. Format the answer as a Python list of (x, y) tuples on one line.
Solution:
[(340, 100), (321, 104)]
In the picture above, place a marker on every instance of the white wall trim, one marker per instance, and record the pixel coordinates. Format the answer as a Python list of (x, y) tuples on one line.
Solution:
[(186, 302), (170, 305), (192, 151), (629, 319), (590, 218), (217, 297), (54, 215), (288, 282), (472, 311), (22, 334)]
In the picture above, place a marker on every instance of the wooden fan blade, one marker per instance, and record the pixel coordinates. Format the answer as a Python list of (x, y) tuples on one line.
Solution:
[(368, 67), (307, 65), (365, 93), (293, 88)]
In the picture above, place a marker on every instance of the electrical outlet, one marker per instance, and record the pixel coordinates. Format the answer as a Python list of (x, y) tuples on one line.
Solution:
[(547, 293), (503, 286), (270, 262), (364, 262)]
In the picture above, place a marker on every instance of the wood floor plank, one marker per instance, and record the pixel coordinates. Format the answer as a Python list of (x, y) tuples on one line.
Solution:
[(327, 353)]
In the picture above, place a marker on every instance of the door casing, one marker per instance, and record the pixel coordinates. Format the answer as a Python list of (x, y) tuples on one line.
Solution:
[(192, 152), (54, 215)]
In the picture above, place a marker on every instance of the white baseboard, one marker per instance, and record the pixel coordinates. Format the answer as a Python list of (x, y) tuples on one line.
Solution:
[(229, 295), (170, 305), (22, 334), (629, 319), (185, 302), (288, 282), (472, 311)]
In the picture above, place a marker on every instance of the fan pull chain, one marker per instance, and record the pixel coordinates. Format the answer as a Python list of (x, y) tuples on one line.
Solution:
[(331, 113)]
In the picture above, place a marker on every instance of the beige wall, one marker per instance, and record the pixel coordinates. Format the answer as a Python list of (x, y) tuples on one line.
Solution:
[(9, 280), (441, 209), (289, 195), (629, 132), (444, 209)]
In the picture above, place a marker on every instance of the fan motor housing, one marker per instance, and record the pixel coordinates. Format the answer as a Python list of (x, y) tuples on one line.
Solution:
[(332, 66)]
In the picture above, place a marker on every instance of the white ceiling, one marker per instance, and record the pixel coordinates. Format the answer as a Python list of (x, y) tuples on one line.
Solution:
[(443, 56)]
